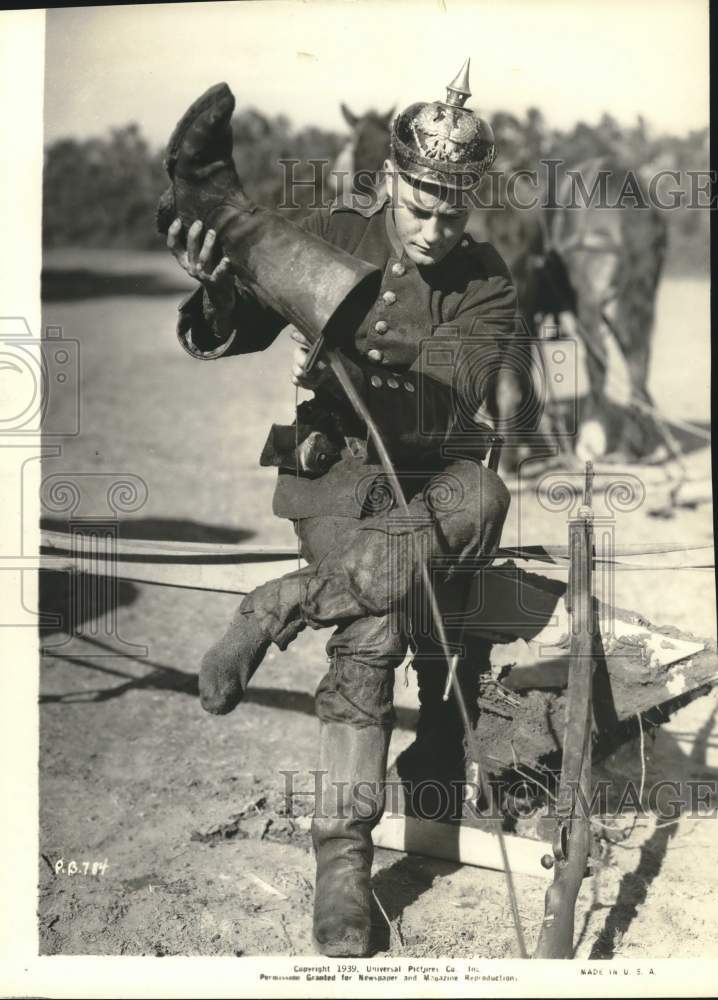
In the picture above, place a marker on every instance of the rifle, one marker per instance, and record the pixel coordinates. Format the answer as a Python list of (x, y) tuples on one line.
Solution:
[(572, 839)]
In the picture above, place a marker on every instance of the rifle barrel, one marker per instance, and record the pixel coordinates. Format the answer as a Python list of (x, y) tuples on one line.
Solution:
[(572, 842)]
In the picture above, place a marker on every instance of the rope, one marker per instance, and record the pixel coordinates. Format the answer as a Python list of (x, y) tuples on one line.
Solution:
[(149, 550), (552, 553)]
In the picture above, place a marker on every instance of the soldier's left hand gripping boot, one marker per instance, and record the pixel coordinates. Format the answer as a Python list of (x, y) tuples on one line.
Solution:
[(353, 773)]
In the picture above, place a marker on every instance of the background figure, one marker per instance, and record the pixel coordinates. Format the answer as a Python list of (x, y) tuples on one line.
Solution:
[(520, 406), (358, 165), (614, 258)]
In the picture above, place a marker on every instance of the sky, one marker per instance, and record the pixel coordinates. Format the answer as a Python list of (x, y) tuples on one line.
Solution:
[(573, 59)]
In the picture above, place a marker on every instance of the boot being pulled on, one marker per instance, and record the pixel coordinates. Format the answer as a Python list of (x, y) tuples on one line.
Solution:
[(199, 163)]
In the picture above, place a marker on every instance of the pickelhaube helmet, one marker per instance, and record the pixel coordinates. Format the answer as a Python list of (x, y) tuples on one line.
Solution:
[(443, 142)]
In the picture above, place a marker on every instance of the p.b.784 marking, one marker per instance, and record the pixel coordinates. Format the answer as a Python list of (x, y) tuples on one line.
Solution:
[(73, 867)]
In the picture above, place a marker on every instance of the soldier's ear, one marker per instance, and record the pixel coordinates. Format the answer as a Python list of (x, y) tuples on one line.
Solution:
[(390, 176), (349, 117)]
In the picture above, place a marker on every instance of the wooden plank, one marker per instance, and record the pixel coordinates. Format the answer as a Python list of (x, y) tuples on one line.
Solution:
[(524, 616), (154, 550), (192, 553), (461, 844)]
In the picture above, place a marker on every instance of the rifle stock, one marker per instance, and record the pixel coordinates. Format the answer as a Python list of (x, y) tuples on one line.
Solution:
[(572, 840)]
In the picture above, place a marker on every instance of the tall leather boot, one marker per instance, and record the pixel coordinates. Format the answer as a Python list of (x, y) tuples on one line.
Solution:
[(433, 768), (353, 772), (321, 289)]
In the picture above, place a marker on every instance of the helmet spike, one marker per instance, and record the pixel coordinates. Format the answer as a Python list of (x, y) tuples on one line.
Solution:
[(458, 92), (442, 142)]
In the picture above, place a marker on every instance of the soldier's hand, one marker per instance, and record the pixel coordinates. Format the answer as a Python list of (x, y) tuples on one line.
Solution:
[(299, 360), (198, 257)]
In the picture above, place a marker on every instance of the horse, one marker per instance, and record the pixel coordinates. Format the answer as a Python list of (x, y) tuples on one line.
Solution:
[(615, 254), (600, 258), (362, 156)]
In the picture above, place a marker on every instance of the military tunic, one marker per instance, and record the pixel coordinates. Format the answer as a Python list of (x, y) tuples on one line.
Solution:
[(423, 360)]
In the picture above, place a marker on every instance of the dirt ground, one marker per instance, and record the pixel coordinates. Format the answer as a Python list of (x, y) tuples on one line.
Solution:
[(204, 854)]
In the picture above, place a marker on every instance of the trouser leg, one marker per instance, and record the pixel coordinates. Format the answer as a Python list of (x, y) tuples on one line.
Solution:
[(433, 768), (369, 572), (274, 613), (456, 522), (373, 565)]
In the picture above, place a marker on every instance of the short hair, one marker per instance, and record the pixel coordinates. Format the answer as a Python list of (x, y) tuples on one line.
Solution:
[(450, 195)]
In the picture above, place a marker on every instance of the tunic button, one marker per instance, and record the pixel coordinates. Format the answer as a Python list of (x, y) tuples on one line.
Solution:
[(409, 386), (376, 381), (464, 243), (389, 298), (398, 269), (392, 383), (381, 326), (374, 354)]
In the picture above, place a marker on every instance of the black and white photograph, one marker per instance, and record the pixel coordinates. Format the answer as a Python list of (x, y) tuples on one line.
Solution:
[(358, 578)]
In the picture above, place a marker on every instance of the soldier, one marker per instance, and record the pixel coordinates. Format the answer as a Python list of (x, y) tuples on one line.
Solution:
[(421, 360)]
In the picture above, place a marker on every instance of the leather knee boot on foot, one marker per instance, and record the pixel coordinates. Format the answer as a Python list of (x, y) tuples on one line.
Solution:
[(433, 768), (353, 767)]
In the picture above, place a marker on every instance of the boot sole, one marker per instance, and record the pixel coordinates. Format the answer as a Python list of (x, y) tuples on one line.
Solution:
[(344, 949), (217, 94)]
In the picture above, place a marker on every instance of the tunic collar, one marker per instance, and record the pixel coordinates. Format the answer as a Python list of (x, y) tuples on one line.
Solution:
[(393, 236)]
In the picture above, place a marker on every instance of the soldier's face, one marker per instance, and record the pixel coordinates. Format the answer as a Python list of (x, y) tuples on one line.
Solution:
[(427, 226)]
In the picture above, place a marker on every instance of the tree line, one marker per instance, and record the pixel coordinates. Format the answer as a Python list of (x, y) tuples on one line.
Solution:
[(102, 191)]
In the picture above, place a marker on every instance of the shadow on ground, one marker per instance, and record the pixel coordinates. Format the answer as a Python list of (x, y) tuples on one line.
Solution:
[(164, 529), (635, 885), (83, 283)]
